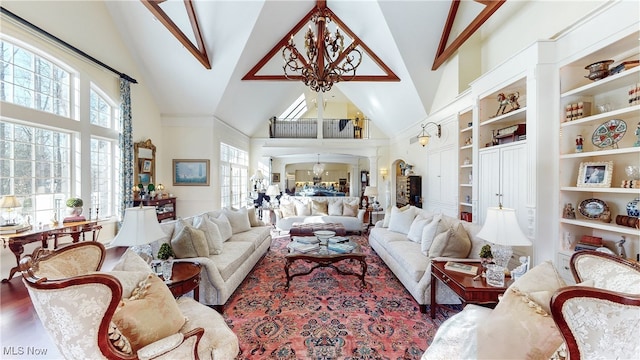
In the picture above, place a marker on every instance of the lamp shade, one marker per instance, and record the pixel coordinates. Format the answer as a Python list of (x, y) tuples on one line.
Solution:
[(370, 191), (9, 201), (139, 227), (423, 139), (501, 228), (258, 176), (273, 190)]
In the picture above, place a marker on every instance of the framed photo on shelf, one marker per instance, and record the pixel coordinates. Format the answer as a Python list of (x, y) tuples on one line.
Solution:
[(146, 166), (595, 174), (191, 172)]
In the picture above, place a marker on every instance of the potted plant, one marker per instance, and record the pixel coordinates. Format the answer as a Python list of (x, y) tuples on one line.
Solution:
[(486, 255), (151, 189), (74, 206), (165, 252)]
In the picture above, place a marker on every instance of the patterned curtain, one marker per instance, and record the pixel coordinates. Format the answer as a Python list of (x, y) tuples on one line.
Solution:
[(126, 146)]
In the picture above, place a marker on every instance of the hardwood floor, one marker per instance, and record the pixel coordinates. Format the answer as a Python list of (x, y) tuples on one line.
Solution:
[(22, 334)]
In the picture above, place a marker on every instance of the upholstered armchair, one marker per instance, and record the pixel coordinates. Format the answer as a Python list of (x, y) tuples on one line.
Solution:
[(123, 314), (596, 323), (602, 321), (607, 271)]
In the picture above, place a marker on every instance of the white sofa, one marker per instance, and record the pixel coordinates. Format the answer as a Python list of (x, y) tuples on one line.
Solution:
[(310, 209), (406, 259), (222, 273)]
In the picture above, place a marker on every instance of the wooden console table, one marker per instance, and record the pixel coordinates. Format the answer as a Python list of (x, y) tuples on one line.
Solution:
[(165, 207), (17, 241)]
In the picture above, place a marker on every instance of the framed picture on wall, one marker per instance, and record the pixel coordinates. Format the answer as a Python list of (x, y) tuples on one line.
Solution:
[(146, 166), (190, 172), (275, 177)]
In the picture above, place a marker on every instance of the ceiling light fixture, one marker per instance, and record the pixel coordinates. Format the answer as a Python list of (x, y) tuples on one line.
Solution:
[(327, 61), (424, 136), (318, 168)]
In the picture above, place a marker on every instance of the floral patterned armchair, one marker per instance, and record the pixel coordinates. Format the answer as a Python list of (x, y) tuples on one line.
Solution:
[(125, 314), (602, 321), (596, 323)]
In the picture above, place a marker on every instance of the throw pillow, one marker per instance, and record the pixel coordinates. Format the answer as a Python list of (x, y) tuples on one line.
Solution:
[(429, 233), (130, 261), (522, 324), (415, 230), (253, 218), (454, 243), (302, 207), (401, 220), (152, 317), (223, 225), (335, 207), (211, 233), (239, 219), (288, 209), (319, 207), (350, 208), (189, 242)]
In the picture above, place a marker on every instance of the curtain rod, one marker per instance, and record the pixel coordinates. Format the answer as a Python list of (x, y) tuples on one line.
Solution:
[(66, 44)]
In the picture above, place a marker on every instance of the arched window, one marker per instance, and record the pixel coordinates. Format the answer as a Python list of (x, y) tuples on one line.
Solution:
[(44, 151)]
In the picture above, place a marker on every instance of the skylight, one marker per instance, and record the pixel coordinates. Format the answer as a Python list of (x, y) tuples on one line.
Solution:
[(296, 109)]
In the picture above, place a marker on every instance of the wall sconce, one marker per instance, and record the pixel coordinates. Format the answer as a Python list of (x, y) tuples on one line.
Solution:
[(384, 173), (424, 136)]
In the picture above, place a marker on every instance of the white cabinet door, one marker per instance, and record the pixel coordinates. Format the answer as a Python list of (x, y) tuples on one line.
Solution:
[(503, 171), (488, 181), (441, 180)]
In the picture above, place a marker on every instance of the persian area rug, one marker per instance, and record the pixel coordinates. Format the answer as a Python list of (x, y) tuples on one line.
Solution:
[(325, 315)]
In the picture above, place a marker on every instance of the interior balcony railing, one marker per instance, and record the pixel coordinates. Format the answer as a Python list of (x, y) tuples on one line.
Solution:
[(308, 128)]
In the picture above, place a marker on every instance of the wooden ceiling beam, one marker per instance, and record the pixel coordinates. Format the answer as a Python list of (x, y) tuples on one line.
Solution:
[(199, 50), (444, 52)]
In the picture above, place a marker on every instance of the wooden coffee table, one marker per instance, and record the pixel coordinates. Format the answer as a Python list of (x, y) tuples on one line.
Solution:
[(326, 258), (184, 278), (469, 289)]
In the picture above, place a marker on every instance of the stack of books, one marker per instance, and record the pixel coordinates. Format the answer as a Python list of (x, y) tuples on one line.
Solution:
[(461, 268), (588, 243), (341, 248), (306, 239), (14, 229), (301, 247), (338, 240)]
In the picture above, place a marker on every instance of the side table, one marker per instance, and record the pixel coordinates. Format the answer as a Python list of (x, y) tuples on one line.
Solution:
[(470, 291), (184, 278)]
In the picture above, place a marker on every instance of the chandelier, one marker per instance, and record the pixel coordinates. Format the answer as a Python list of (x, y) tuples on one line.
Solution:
[(327, 60), (318, 168)]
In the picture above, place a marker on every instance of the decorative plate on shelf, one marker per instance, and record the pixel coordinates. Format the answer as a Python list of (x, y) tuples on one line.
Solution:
[(592, 208), (609, 133)]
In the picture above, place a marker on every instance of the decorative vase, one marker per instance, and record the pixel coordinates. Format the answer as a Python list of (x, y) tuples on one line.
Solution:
[(632, 208), (74, 211)]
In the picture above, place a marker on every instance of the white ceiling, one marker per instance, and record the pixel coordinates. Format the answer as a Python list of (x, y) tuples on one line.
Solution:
[(237, 34)]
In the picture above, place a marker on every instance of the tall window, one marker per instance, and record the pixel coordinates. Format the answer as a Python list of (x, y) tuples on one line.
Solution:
[(30, 80), (100, 112), (233, 176), (36, 168), (43, 165)]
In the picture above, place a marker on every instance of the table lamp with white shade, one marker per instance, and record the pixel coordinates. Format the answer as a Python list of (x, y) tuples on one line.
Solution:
[(140, 227), (501, 229), (272, 192), (371, 192), (9, 202)]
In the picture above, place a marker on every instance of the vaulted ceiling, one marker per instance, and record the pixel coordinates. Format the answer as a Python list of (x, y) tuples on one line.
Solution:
[(236, 35)]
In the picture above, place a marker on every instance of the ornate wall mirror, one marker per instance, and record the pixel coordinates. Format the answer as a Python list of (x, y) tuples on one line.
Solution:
[(144, 162)]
